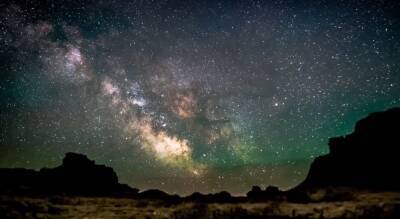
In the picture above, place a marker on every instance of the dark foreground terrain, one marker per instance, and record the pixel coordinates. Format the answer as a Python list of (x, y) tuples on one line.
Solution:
[(361, 205), (359, 178)]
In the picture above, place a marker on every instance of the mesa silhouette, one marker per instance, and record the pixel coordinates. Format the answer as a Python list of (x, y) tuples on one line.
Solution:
[(368, 159), (77, 175)]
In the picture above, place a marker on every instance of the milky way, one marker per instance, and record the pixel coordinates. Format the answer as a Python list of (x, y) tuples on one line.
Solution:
[(191, 96)]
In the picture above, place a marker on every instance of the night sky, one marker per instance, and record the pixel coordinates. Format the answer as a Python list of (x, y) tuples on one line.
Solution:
[(190, 96)]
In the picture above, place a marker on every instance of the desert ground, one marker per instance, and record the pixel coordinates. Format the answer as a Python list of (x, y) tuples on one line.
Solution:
[(359, 205)]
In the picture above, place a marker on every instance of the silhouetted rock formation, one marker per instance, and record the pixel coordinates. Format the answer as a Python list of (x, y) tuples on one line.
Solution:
[(255, 193), (79, 174), (76, 175), (156, 194), (368, 158), (220, 197), (18, 179), (270, 193), (223, 196)]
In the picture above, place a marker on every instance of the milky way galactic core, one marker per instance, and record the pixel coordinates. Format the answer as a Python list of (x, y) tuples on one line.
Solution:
[(190, 96)]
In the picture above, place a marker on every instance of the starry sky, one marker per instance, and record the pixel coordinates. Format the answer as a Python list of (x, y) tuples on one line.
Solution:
[(190, 96)]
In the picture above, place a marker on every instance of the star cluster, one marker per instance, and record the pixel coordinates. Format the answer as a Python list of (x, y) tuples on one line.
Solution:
[(191, 96)]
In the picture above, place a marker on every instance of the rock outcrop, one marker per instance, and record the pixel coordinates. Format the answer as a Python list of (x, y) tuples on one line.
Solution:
[(79, 174), (76, 175), (220, 197), (368, 158), (270, 193)]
